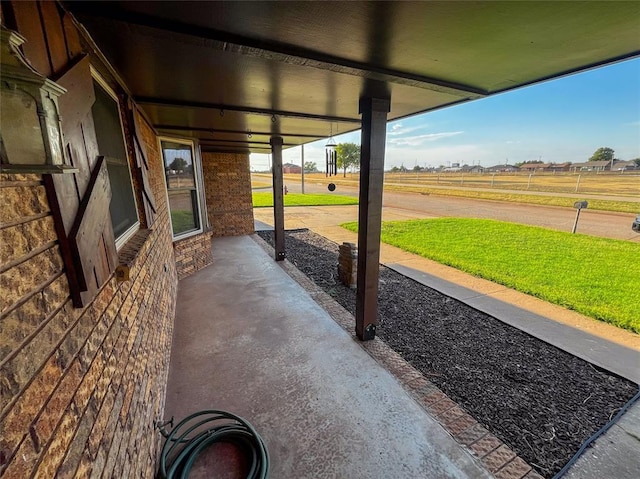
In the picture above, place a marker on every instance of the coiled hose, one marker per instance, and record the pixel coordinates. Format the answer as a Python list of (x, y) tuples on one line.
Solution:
[(198, 431)]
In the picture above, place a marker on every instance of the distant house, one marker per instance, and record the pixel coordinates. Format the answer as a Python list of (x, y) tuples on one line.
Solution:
[(501, 169), (625, 166), (291, 168), (533, 167), (560, 166), (592, 166)]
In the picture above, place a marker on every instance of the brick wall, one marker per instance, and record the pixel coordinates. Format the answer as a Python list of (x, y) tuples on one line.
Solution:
[(80, 388), (227, 183), (192, 254)]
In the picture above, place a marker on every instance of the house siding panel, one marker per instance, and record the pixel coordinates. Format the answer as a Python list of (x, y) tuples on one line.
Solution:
[(193, 254), (80, 388), (227, 180)]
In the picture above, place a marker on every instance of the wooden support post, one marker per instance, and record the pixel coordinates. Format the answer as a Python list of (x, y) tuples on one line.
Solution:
[(278, 196), (374, 130)]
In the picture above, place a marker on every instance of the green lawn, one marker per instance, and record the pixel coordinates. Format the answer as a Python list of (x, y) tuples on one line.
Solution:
[(595, 276), (182, 220), (594, 204), (263, 199)]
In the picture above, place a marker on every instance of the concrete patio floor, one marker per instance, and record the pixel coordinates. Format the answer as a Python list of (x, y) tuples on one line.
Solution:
[(616, 453), (249, 340)]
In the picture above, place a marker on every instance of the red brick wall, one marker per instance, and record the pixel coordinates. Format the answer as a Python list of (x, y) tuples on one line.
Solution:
[(192, 254), (227, 183), (80, 389)]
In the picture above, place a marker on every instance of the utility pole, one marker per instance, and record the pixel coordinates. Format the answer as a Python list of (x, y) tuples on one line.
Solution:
[(302, 161)]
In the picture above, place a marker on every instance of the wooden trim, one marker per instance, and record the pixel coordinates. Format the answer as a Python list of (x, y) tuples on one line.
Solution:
[(25, 219), (87, 236), (31, 254), (38, 289), (19, 184), (63, 240), (142, 162)]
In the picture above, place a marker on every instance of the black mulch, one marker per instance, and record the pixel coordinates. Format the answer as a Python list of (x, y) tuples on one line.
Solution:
[(542, 402)]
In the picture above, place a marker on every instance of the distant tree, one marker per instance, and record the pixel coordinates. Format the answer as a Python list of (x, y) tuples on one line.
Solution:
[(636, 161), (395, 169), (418, 168), (529, 162), (310, 167), (348, 155), (178, 164), (602, 154)]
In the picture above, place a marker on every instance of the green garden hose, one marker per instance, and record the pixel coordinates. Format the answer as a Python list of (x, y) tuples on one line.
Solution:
[(198, 431)]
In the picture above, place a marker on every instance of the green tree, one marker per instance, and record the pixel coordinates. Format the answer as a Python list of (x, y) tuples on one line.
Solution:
[(348, 155), (418, 168), (636, 161), (178, 164), (310, 167), (529, 162), (602, 154)]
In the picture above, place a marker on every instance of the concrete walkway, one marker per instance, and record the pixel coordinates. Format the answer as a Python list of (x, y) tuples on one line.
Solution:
[(248, 339), (614, 454)]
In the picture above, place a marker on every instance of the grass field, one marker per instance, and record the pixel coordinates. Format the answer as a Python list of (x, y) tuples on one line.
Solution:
[(594, 204), (455, 184), (593, 276), (264, 199), (565, 182)]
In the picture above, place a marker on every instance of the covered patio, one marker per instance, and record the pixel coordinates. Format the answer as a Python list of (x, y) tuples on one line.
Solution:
[(251, 340), (112, 282)]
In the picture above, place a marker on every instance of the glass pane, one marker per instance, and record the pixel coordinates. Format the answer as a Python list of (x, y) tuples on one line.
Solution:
[(21, 134), (106, 118), (183, 211), (178, 165), (122, 207)]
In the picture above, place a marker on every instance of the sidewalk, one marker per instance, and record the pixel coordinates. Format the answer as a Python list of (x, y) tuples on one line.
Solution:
[(614, 454)]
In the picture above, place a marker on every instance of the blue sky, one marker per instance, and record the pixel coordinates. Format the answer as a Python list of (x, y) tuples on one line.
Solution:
[(556, 121)]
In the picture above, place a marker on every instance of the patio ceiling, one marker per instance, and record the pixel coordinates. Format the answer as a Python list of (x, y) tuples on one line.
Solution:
[(218, 71)]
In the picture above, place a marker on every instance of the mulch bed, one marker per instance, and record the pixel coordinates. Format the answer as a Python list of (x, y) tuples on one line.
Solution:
[(542, 402)]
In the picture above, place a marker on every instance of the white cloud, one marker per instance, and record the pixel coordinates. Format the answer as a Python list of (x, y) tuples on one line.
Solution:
[(417, 140), (398, 129)]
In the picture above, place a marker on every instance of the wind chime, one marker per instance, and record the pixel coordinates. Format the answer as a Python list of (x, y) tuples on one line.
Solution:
[(331, 155)]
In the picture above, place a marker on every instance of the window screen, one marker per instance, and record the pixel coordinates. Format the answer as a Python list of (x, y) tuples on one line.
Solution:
[(106, 118)]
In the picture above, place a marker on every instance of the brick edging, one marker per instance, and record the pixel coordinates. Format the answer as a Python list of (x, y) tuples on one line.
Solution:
[(495, 455)]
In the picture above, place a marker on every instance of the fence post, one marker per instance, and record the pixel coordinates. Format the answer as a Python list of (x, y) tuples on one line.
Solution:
[(578, 183)]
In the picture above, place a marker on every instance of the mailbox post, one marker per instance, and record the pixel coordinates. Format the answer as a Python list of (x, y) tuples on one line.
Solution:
[(578, 205)]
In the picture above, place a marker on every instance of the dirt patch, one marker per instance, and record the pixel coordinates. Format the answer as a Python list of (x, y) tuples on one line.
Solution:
[(541, 401)]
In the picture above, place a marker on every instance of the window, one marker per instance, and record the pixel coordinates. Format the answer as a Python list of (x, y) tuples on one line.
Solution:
[(182, 174), (108, 128)]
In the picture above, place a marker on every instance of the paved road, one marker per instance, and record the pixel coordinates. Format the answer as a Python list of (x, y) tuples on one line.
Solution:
[(591, 222)]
